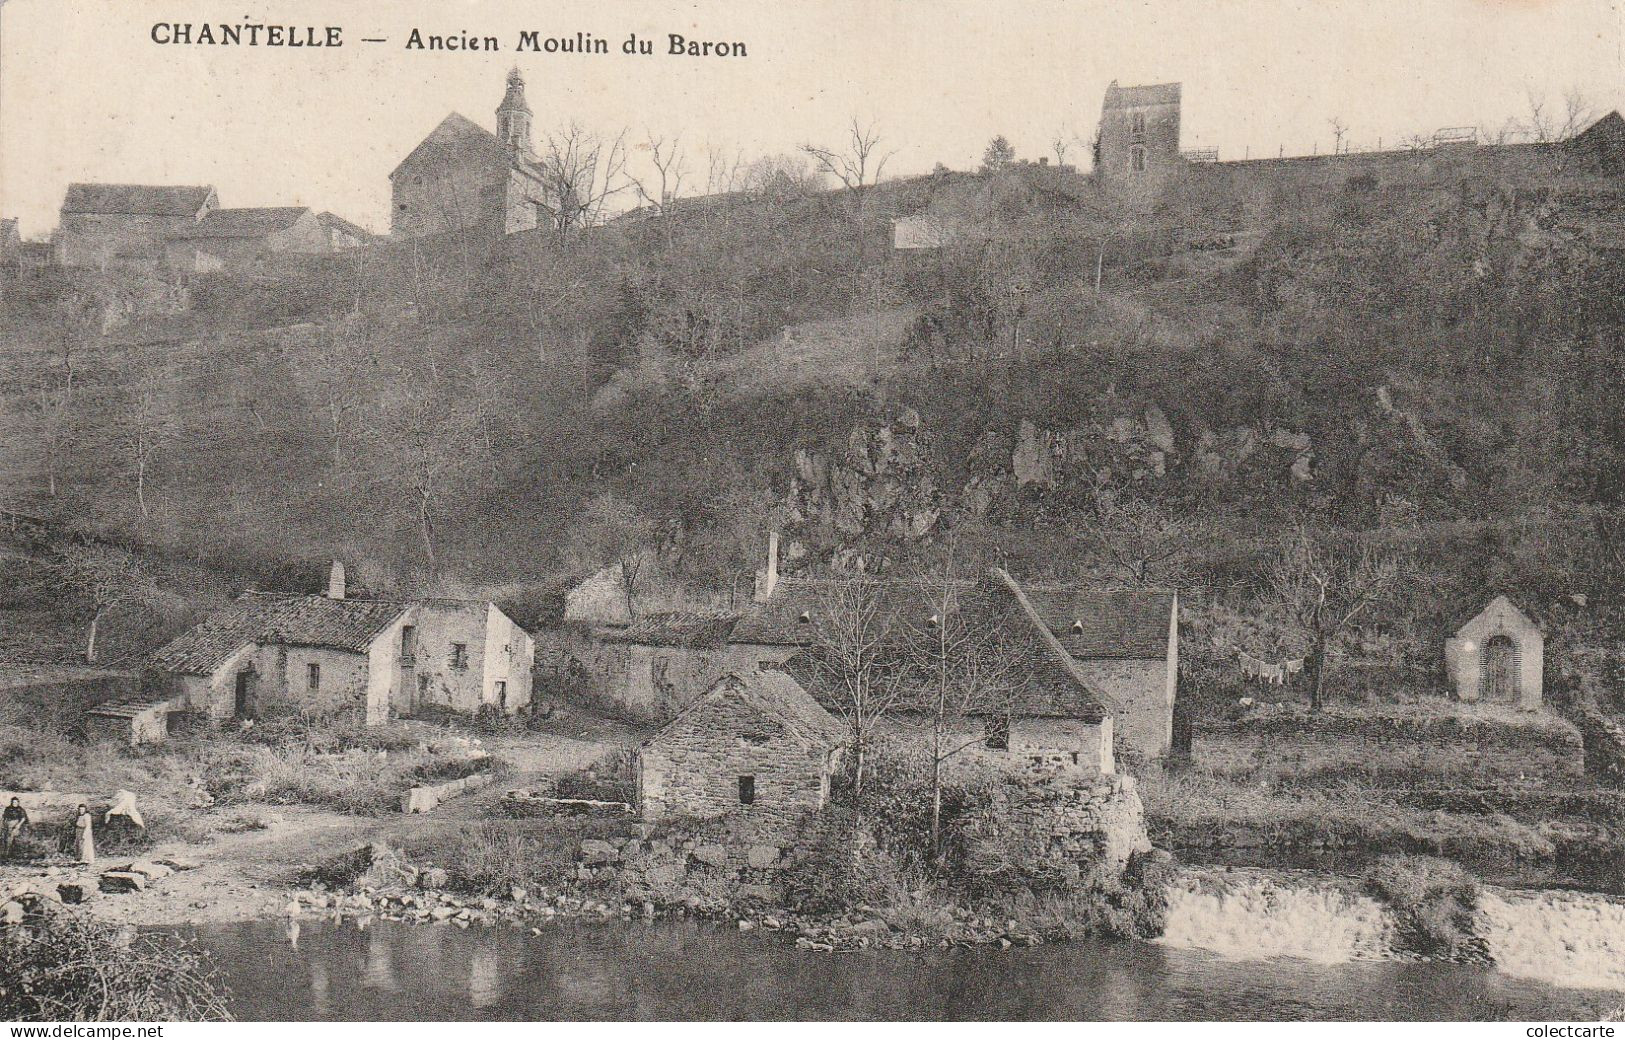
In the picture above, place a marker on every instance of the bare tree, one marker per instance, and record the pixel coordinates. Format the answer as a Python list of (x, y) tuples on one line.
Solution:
[(147, 428), (424, 442), (1140, 540), (1062, 143), (780, 178), (855, 660), (74, 315), (1549, 123), (1320, 592), (967, 669), (665, 183), (1339, 130), (857, 165), (611, 529), (583, 172), (332, 380), (107, 577)]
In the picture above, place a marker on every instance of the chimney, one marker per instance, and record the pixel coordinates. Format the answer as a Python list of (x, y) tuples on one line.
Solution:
[(335, 581), (768, 577)]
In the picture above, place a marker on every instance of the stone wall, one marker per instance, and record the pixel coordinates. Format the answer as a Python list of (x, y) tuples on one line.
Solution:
[(92, 239), (695, 767), (1082, 748), (1144, 719), (1046, 823), (445, 187), (442, 682)]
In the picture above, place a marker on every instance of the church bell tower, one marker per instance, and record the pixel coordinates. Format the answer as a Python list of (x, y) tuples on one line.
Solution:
[(513, 116)]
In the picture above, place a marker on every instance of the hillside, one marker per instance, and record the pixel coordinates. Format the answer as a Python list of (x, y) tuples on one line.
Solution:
[(1428, 357)]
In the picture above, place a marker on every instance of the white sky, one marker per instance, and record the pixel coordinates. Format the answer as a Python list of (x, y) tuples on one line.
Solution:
[(84, 94)]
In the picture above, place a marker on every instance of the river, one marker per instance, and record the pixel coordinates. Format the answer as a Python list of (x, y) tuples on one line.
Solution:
[(685, 970)]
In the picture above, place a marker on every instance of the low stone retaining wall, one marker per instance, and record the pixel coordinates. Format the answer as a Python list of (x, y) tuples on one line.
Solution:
[(425, 799)]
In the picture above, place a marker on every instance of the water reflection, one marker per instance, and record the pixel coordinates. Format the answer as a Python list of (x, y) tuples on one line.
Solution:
[(380, 970), (688, 971)]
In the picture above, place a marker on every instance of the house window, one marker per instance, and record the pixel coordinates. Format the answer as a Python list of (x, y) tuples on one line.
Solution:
[(313, 675), (998, 733), (1137, 158), (1137, 124), (459, 657), (747, 790)]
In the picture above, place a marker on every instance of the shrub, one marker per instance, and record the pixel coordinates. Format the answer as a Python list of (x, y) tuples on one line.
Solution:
[(845, 867), (492, 857), (1433, 902), (60, 967)]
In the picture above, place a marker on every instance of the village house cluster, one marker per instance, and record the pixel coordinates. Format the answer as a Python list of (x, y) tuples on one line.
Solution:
[(464, 177), (328, 654), (743, 725)]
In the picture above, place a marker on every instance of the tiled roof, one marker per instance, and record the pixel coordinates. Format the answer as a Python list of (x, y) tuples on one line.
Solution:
[(131, 707), (335, 222), (791, 617), (244, 223), (1090, 623), (459, 136), (776, 695), (1151, 94), (676, 628), (165, 200), (1078, 624), (339, 624), (1093, 623)]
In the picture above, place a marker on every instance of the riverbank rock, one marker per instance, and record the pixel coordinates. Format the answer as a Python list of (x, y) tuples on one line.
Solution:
[(123, 881)]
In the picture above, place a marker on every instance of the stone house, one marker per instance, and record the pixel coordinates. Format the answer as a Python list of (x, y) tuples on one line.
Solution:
[(755, 744), (1497, 657), (371, 658), (464, 177), (659, 663), (240, 239), (1137, 146), (101, 223), (1116, 651)]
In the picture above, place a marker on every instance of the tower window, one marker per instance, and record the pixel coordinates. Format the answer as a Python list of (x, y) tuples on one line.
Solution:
[(1137, 123), (459, 657), (747, 790), (1137, 159)]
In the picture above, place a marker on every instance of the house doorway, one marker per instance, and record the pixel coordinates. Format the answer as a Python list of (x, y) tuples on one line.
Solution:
[(242, 700), (1501, 666)]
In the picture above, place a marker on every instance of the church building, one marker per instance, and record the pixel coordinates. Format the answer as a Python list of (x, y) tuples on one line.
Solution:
[(462, 176)]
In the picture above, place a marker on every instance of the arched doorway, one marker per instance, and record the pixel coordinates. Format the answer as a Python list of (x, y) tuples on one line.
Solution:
[(1501, 667)]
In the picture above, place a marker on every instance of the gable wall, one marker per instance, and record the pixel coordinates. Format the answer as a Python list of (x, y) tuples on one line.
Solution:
[(445, 188), (693, 767)]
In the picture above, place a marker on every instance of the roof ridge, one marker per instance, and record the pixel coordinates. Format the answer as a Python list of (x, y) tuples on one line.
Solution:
[(1102, 698)]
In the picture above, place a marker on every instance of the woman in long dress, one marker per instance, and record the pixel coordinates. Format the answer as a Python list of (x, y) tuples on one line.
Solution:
[(84, 841)]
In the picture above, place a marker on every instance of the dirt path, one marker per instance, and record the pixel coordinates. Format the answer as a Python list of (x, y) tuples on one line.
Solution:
[(244, 874)]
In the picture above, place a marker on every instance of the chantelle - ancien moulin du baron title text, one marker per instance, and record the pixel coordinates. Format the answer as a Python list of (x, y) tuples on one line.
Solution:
[(260, 34)]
